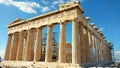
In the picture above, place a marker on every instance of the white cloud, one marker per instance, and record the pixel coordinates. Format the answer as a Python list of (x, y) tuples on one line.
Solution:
[(2, 52), (58, 2), (55, 2), (45, 1), (76, 0), (1, 1), (45, 9), (27, 6)]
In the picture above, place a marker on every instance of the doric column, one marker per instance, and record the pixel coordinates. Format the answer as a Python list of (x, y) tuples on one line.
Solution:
[(62, 43), (8, 48), (75, 41), (94, 46), (38, 52), (91, 46), (99, 50), (102, 52), (30, 45), (20, 48), (82, 52), (87, 45), (105, 52), (14, 46), (48, 56), (79, 45), (90, 38)]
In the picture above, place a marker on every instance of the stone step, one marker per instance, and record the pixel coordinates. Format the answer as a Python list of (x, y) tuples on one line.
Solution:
[(28, 64)]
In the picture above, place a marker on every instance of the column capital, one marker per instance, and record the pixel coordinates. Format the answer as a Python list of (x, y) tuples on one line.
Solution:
[(50, 26), (62, 23), (10, 34), (75, 20)]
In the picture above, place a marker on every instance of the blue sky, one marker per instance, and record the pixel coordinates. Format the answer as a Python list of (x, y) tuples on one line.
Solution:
[(104, 13)]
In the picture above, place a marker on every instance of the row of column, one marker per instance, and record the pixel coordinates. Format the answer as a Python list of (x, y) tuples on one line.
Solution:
[(98, 49), (27, 45), (20, 47), (92, 49)]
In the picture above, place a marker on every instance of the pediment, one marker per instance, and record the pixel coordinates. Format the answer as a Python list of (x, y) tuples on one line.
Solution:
[(16, 21)]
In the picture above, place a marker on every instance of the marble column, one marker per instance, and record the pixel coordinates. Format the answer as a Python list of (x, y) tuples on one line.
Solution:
[(87, 46), (38, 52), (24, 55), (85, 41), (92, 37), (105, 52), (20, 47), (94, 46), (79, 43), (90, 46), (97, 49), (30, 45), (74, 41), (8, 48), (62, 43), (102, 52), (48, 56), (82, 52), (14, 46)]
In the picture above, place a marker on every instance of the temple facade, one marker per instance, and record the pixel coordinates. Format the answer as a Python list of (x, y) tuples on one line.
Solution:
[(24, 45)]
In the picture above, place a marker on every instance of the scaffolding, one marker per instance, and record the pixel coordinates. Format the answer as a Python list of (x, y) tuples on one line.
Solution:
[(112, 52)]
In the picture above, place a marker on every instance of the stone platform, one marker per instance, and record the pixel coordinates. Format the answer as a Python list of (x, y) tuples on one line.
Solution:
[(30, 64)]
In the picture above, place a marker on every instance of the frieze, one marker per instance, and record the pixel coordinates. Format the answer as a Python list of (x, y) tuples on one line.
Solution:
[(48, 20)]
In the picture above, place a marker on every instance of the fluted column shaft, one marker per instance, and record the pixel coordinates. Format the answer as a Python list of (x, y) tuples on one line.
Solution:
[(95, 42), (82, 52), (38, 52), (30, 46), (62, 43), (20, 47), (96, 48), (91, 47), (8, 48), (48, 56), (87, 45), (14, 47), (94, 45), (102, 52), (74, 41), (99, 49), (85, 41)]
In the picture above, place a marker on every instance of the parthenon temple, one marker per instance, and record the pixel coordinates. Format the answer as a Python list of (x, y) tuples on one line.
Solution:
[(24, 46)]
